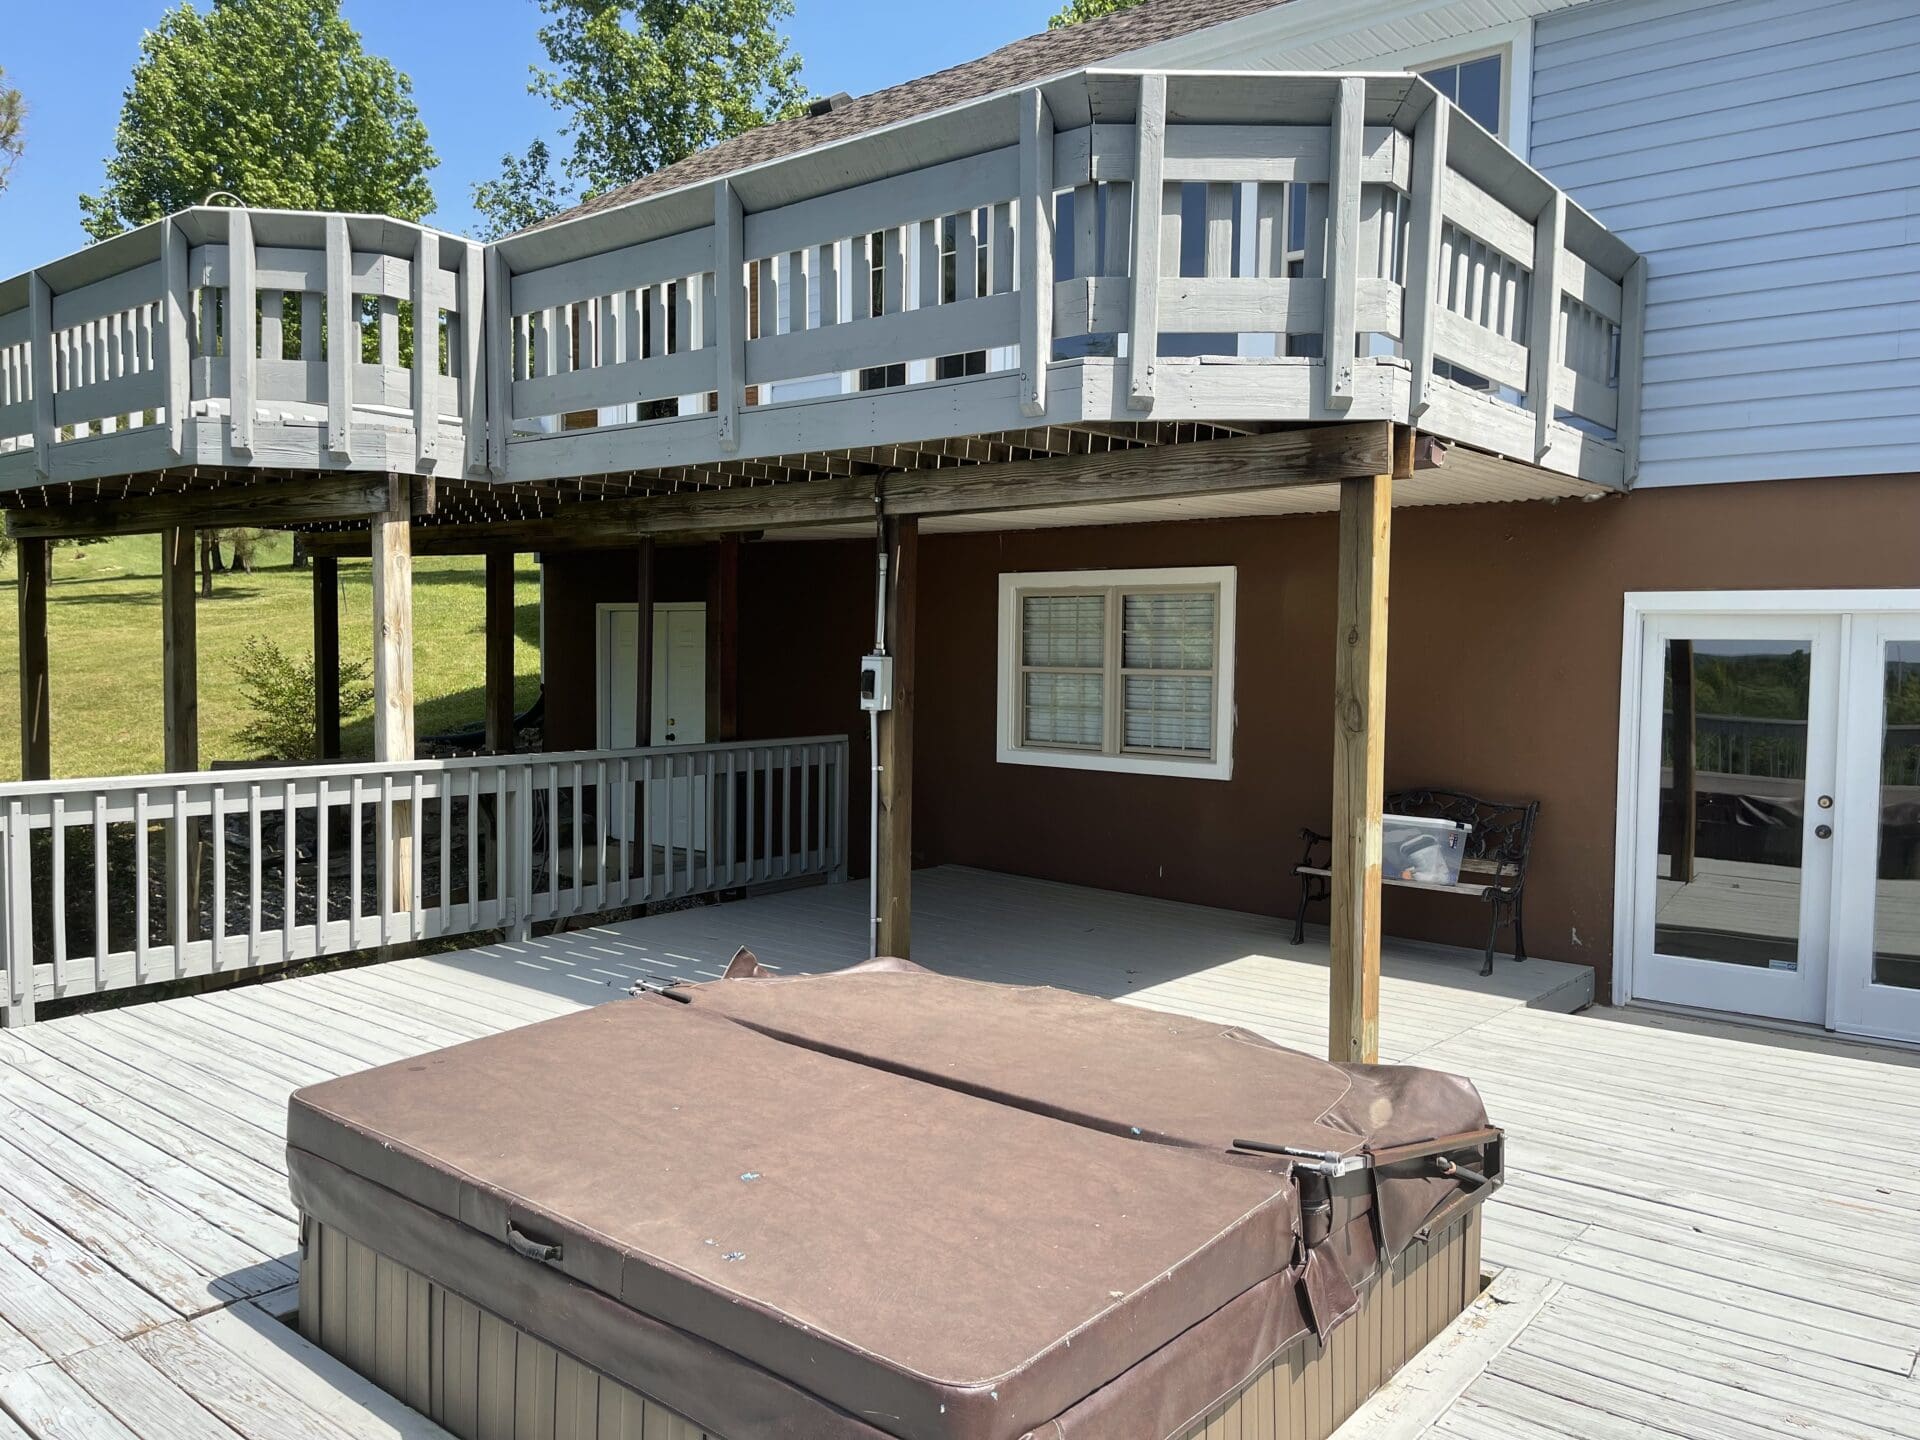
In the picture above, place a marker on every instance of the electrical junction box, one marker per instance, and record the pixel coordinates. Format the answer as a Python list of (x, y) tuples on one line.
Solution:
[(876, 682)]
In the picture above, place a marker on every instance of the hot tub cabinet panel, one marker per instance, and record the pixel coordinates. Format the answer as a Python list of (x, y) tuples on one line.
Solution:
[(884, 1205), (483, 1378)]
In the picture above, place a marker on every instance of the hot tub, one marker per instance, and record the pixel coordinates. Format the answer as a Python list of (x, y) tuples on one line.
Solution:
[(884, 1203)]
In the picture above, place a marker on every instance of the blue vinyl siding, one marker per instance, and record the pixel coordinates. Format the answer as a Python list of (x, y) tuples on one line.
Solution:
[(1765, 156)]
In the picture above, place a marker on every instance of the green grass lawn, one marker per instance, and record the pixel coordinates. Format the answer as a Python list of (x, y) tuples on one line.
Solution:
[(104, 637)]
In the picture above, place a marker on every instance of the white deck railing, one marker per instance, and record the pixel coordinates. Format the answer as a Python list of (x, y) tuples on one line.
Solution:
[(112, 883), (1107, 246)]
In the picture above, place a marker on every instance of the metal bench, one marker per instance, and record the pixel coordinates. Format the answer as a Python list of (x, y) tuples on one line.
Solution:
[(1494, 868)]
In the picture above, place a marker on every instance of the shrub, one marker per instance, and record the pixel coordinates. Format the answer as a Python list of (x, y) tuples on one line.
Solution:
[(280, 691)]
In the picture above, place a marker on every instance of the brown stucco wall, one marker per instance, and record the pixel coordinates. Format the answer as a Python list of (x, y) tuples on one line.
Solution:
[(1503, 661)]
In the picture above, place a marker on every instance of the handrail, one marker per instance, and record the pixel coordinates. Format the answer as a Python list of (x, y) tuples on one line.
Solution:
[(1008, 262), (108, 883)]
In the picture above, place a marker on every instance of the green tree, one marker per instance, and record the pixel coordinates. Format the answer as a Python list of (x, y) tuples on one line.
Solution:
[(13, 119), (272, 100), (526, 192), (641, 84), (1078, 10)]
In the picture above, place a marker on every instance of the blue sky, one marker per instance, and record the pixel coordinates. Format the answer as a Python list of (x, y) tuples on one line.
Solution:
[(468, 60)]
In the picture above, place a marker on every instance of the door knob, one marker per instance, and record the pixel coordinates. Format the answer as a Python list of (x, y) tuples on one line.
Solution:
[(1823, 832)]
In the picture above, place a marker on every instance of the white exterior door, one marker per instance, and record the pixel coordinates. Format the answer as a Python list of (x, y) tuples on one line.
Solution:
[(678, 808), (1876, 979), (1734, 851)]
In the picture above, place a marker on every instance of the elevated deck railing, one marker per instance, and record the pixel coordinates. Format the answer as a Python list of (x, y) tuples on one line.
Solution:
[(209, 339), (112, 883), (1106, 246)]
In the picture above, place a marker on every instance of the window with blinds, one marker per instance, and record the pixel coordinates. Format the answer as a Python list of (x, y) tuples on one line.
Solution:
[(1118, 666)]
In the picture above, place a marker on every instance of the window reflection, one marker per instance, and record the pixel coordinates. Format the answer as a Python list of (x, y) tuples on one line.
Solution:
[(1896, 909), (1475, 86), (1733, 801)]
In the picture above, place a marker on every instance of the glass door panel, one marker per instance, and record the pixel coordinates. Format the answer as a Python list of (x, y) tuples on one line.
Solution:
[(1877, 957), (1737, 775)]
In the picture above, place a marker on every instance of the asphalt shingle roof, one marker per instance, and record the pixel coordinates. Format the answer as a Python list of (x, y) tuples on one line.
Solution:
[(1051, 52)]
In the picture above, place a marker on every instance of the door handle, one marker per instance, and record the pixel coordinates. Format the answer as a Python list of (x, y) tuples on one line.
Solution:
[(670, 737), (1823, 832)]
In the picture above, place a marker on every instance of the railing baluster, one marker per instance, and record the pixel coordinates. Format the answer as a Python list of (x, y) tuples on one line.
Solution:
[(766, 817), (626, 831), (576, 890), (473, 848), (446, 853), (645, 823), (383, 858), (178, 901), (59, 880), (322, 868), (416, 831), (553, 839), (600, 808), (140, 886), (217, 822), (353, 862), (253, 874), (289, 865), (102, 938)]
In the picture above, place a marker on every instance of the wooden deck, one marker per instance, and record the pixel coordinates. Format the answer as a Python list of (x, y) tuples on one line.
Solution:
[(1731, 1217)]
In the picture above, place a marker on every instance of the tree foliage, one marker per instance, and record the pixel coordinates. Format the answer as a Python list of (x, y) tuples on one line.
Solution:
[(641, 84), (13, 121), (525, 193), (272, 100), (1078, 10), (280, 692)]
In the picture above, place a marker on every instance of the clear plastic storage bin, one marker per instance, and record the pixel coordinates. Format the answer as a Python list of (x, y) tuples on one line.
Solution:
[(1414, 847)]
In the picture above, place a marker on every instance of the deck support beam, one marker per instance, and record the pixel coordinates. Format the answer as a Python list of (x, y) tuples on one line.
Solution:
[(893, 875), (499, 627), (1359, 767), (326, 656), (180, 655), (33, 562), (393, 667)]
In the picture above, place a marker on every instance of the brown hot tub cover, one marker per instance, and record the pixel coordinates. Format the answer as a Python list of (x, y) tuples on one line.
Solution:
[(881, 1202)]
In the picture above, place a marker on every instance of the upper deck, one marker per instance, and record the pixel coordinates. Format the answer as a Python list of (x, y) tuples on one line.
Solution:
[(896, 288)]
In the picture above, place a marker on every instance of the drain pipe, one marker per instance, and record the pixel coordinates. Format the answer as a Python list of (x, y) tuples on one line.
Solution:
[(873, 741)]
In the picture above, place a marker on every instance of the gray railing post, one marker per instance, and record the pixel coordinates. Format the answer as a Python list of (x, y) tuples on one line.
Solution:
[(40, 308), (242, 347), (1345, 150), (1423, 245), (16, 908), (1150, 130), (1543, 316), (343, 337), (520, 837), (730, 309), (842, 789), (176, 334), (426, 348), (1036, 251)]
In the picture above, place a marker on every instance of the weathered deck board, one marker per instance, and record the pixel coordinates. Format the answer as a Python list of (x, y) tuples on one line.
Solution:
[(142, 1191)]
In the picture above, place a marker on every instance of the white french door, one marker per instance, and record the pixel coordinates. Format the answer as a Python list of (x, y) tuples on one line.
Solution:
[(678, 807), (1876, 987), (1734, 852), (1769, 838)]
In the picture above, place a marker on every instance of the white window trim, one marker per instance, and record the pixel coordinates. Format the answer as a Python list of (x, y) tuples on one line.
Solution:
[(1007, 747)]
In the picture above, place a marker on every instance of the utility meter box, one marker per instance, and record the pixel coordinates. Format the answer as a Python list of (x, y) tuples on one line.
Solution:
[(876, 682)]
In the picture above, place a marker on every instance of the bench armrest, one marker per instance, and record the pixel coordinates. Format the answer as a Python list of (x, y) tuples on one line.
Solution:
[(1312, 839)]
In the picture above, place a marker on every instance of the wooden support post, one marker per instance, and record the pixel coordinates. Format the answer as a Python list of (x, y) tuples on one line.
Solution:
[(1686, 784), (1359, 768), (180, 656), (33, 559), (326, 656), (893, 880), (643, 643), (723, 640), (500, 734), (393, 667)]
